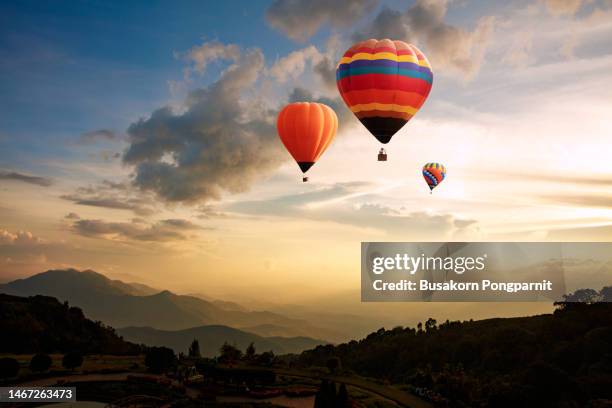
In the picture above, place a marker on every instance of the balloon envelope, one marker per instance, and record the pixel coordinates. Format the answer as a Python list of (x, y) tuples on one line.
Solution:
[(433, 173), (384, 83), (306, 129)]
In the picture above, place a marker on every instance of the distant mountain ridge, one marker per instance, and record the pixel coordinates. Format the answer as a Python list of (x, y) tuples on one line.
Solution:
[(120, 304), (212, 337)]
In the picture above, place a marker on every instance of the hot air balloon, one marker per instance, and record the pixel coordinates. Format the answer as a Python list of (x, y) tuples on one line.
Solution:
[(384, 83), (433, 173), (306, 129)]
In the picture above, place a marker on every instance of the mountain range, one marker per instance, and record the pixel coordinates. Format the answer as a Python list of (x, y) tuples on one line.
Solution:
[(149, 315), (211, 338)]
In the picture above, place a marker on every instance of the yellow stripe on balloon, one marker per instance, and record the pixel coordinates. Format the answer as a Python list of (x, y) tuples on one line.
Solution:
[(385, 55), (383, 107)]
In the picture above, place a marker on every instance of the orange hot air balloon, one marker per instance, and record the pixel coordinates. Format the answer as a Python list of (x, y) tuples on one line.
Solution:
[(306, 129)]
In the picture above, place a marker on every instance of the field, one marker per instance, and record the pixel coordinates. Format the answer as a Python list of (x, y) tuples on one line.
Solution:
[(91, 363)]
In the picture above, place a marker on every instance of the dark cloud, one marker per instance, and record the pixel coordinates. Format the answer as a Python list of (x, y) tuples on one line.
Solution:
[(113, 195), (25, 178), (218, 143), (326, 69), (161, 231), (98, 135), (423, 24), (208, 211), (300, 19)]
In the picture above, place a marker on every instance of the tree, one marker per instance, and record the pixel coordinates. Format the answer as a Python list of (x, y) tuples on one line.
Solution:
[(9, 368), (322, 397), (342, 399), (72, 360), (266, 358), (40, 363), (332, 394), (229, 353), (250, 351), (605, 294), (160, 359), (194, 349), (430, 324), (333, 364)]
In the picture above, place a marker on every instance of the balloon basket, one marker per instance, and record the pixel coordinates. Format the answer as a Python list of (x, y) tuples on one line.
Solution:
[(304, 179), (382, 156)]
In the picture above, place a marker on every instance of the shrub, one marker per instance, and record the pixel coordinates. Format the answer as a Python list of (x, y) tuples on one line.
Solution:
[(160, 359), (40, 363), (9, 367), (72, 360)]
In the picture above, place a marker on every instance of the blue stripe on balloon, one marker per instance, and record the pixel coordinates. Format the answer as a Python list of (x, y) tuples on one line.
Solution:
[(386, 71), (384, 63), (432, 179)]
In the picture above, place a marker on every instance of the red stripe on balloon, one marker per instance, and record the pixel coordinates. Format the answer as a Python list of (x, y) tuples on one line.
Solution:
[(384, 81)]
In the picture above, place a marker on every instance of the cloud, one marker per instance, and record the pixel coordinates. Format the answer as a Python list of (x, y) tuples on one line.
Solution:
[(219, 142), (325, 68), (582, 200), (112, 195), (72, 216), (301, 19), (293, 65), (202, 55), (323, 64), (563, 7), (25, 178), (447, 46), (21, 238), (520, 50), (208, 211), (161, 231), (587, 181), (339, 203), (589, 233), (98, 135)]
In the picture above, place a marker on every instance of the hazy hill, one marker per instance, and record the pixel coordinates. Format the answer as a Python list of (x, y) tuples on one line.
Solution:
[(42, 324), (120, 304), (65, 283), (211, 338)]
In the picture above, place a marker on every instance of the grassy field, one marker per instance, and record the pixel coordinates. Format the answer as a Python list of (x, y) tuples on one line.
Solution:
[(91, 363)]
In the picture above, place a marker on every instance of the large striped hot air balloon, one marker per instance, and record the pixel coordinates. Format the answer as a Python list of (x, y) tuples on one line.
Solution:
[(384, 83), (433, 173), (306, 129)]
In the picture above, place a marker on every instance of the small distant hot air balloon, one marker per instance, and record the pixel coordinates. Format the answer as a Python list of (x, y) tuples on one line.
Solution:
[(306, 129), (384, 83), (433, 173)]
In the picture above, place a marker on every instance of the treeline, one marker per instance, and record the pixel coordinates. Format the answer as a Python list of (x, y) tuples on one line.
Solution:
[(41, 324), (563, 359)]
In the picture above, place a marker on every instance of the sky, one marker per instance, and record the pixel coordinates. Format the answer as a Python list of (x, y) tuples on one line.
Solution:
[(138, 138)]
